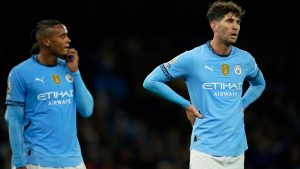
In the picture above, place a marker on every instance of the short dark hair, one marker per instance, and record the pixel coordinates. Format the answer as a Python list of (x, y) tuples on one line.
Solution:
[(220, 8), (39, 30), (43, 25)]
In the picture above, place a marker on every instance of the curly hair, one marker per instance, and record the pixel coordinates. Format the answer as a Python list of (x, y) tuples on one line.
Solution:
[(220, 8)]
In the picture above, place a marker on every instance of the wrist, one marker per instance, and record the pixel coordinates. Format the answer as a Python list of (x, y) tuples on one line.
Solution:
[(186, 104), (75, 73)]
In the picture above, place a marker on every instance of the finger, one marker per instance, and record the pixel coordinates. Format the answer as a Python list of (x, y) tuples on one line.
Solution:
[(198, 114), (72, 51)]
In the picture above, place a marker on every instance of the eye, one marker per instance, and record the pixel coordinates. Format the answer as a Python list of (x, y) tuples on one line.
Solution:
[(63, 36), (230, 20)]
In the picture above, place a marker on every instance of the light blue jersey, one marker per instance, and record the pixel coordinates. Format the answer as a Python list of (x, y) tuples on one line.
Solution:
[(47, 95), (215, 86)]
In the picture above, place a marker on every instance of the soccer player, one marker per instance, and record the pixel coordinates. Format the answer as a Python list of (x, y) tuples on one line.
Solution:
[(214, 74), (44, 94)]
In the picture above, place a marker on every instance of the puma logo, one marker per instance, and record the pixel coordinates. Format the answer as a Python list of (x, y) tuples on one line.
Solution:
[(209, 68), (40, 79)]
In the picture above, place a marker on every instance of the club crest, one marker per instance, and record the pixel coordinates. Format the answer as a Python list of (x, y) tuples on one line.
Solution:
[(237, 69), (69, 78)]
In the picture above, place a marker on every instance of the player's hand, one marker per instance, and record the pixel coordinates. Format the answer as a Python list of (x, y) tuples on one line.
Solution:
[(73, 62), (192, 113)]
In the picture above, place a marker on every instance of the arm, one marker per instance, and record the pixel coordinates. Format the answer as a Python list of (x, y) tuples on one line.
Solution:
[(257, 86), (155, 83), (84, 99), (14, 118)]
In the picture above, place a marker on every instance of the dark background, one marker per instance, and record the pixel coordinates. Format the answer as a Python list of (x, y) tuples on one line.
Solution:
[(120, 42)]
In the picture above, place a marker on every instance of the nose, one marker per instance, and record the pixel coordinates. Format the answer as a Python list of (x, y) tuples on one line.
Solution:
[(68, 40), (236, 26)]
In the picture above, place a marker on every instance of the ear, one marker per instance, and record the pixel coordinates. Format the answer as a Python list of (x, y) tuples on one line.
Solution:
[(214, 26), (46, 42)]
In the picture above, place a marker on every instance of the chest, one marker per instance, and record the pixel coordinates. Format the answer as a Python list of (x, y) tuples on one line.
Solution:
[(222, 70), (49, 81)]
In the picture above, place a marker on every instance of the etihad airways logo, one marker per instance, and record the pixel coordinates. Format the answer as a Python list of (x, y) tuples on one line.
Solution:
[(222, 86), (57, 97), (223, 89)]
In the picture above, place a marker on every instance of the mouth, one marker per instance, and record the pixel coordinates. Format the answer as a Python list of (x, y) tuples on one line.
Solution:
[(233, 35), (67, 46), (66, 50)]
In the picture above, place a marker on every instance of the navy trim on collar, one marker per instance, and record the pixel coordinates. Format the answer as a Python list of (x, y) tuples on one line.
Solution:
[(35, 58), (212, 50)]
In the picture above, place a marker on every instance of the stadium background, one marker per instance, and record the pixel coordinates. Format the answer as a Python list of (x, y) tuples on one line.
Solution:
[(120, 42)]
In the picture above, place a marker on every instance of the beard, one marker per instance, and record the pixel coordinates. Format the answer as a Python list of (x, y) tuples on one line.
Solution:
[(230, 42)]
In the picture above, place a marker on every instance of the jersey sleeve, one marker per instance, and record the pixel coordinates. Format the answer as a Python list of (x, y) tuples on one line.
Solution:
[(178, 67), (257, 83), (14, 118), (155, 83), (252, 69), (15, 94), (84, 99)]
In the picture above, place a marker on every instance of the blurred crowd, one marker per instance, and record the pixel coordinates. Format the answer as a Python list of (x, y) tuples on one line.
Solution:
[(133, 129)]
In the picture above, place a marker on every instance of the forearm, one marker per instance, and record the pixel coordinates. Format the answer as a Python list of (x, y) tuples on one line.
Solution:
[(84, 99), (155, 83), (14, 119), (255, 89)]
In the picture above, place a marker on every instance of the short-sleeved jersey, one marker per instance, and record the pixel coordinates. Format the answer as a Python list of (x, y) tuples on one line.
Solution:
[(47, 94), (215, 86)]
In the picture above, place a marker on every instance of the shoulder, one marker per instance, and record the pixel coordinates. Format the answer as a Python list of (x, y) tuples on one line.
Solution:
[(191, 53), (61, 62), (198, 49), (62, 65), (243, 53), (23, 66), (19, 72)]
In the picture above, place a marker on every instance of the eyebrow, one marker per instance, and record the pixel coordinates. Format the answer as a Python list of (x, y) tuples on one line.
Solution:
[(231, 17)]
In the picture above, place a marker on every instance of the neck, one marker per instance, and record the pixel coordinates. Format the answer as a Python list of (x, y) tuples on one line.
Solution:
[(48, 60), (220, 48)]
